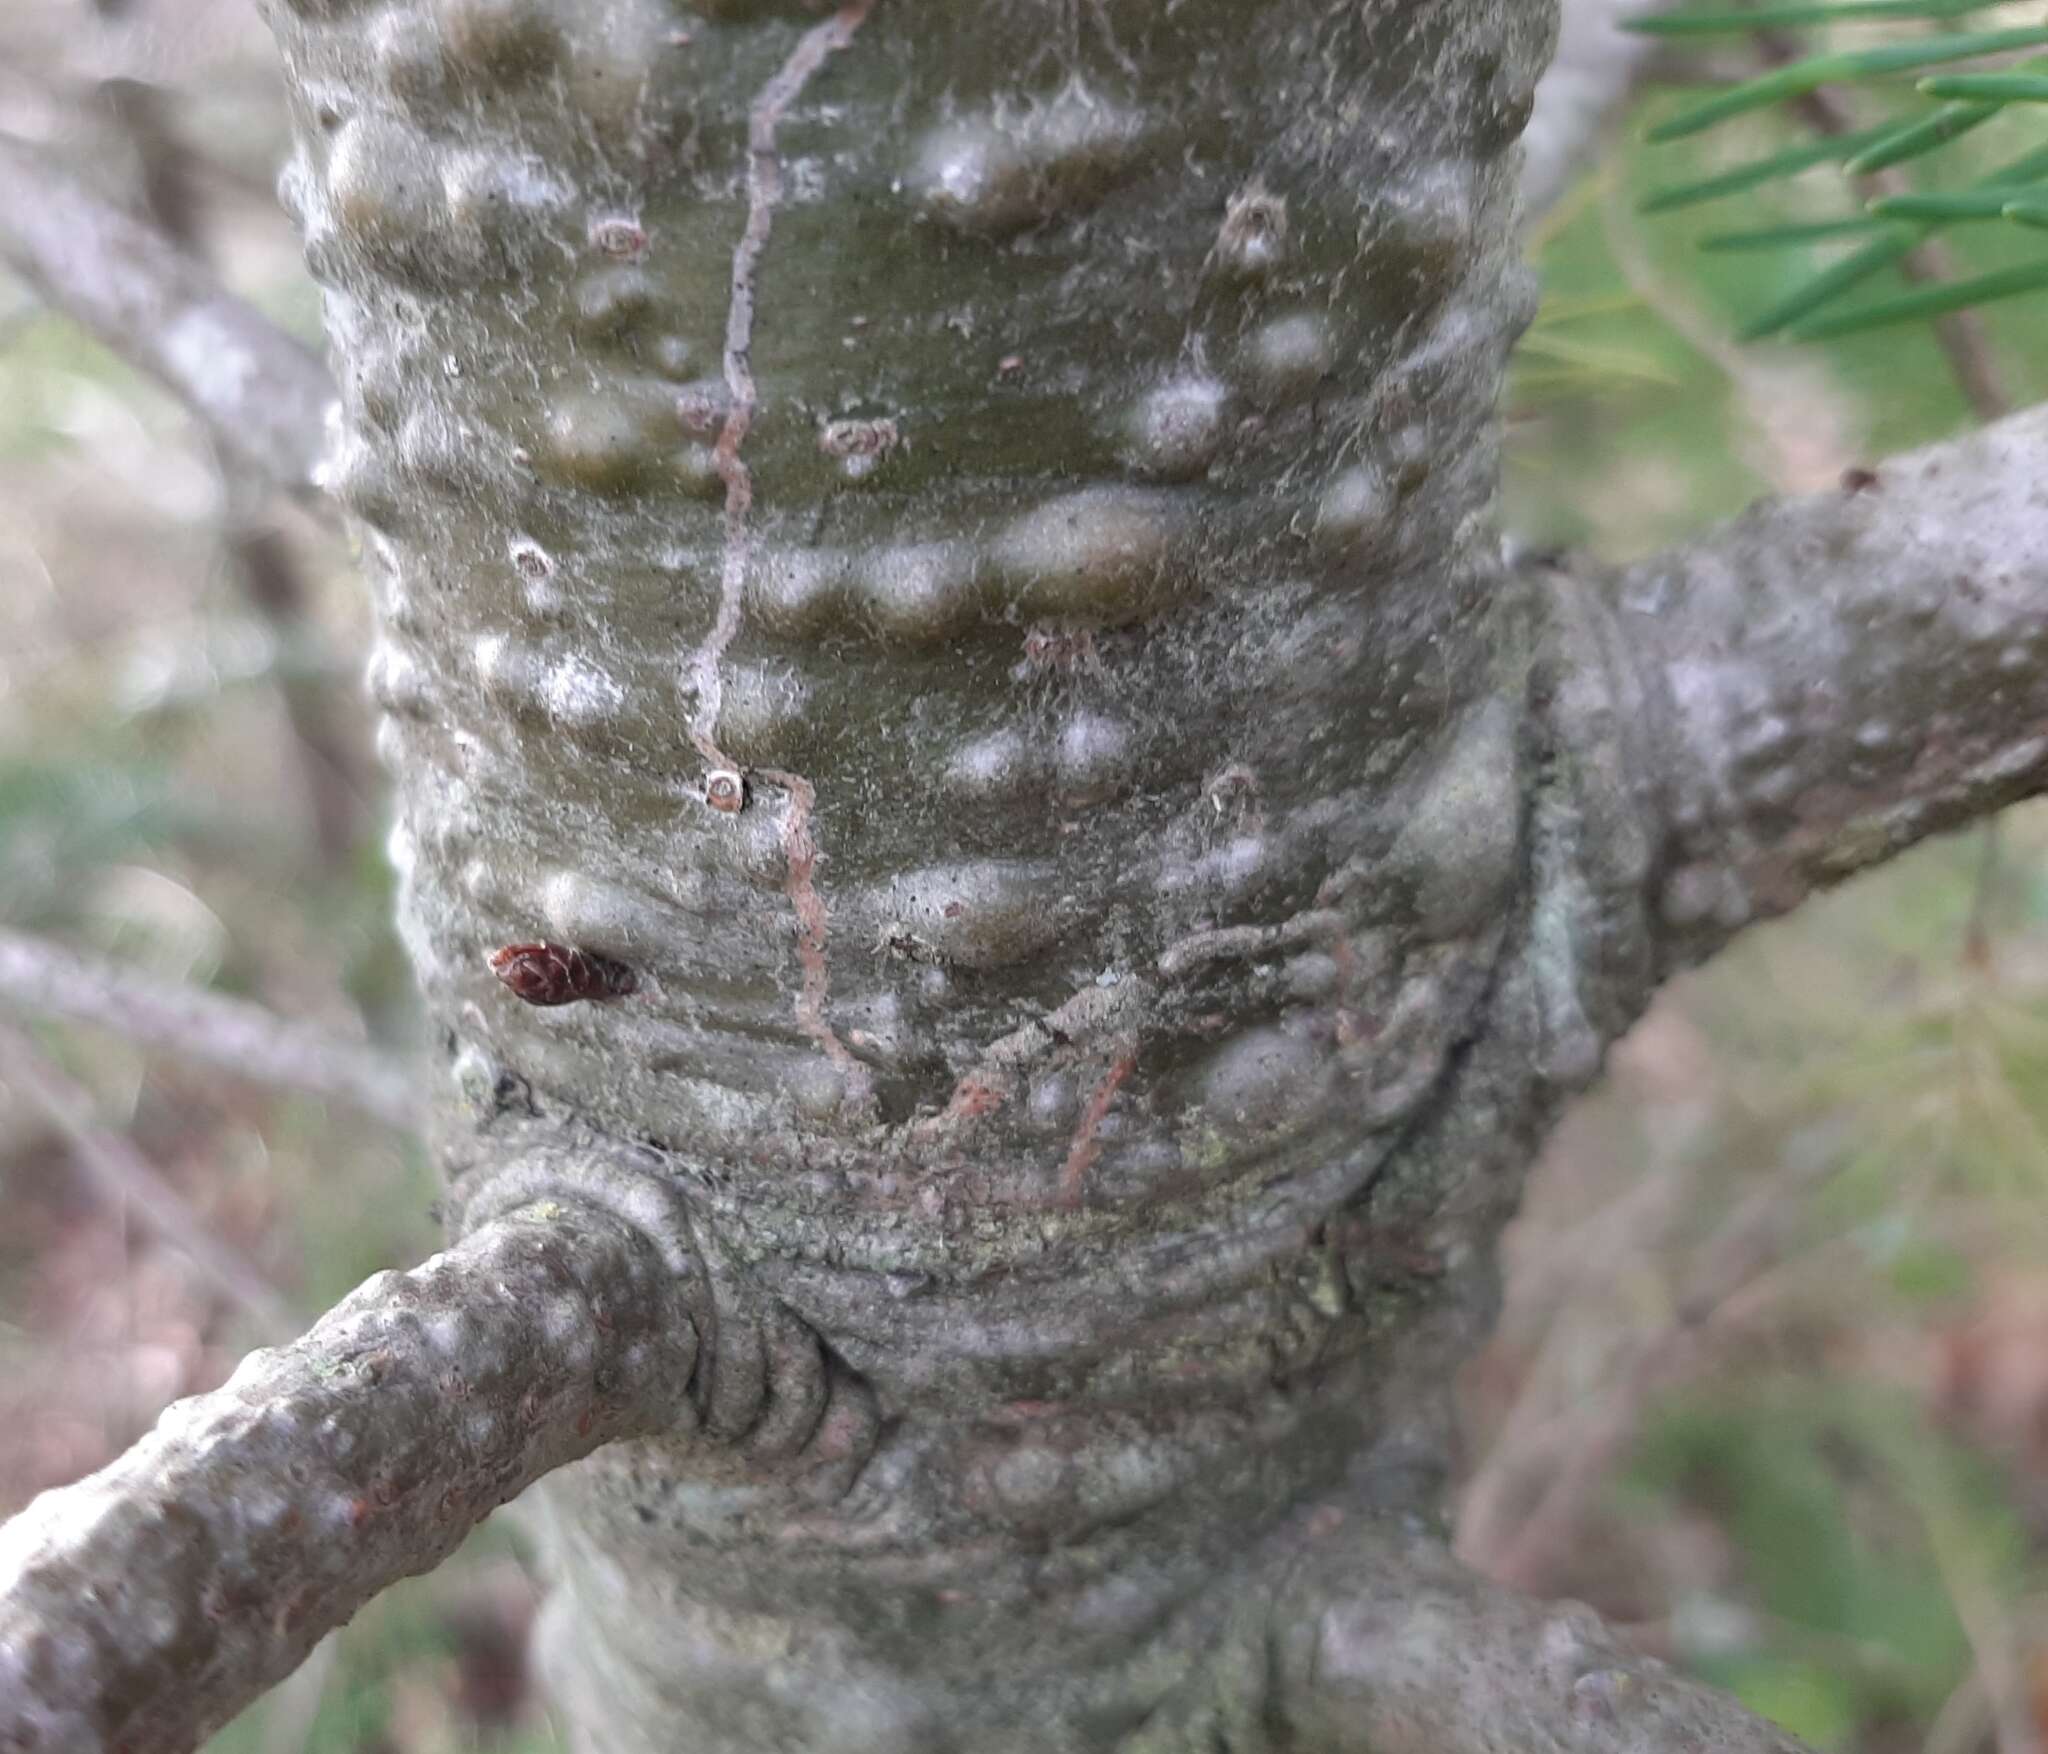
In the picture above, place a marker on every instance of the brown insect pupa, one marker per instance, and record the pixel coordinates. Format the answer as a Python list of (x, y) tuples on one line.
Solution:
[(554, 974)]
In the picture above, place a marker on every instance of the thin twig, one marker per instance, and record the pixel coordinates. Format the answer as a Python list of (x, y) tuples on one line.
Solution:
[(263, 394), (233, 1034), (1983, 892), (1732, 1265), (1998, 1667), (1532, 1435), (126, 1178), (165, 167), (169, 174), (271, 581)]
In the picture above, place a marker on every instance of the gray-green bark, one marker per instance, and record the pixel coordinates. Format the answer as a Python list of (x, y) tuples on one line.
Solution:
[(1038, 460), (1048, 451)]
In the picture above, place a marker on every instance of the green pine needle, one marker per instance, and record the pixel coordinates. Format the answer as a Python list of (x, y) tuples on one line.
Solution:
[(1777, 237), (1882, 251), (2015, 87), (1788, 163), (1585, 358), (1950, 122), (1894, 224), (1723, 23), (1959, 204), (1928, 301), (1817, 70)]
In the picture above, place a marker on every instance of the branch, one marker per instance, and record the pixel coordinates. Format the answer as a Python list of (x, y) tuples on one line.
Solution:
[(1385, 1645), (1827, 680), (1594, 73), (263, 394), (144, 1606), (272, 583), (233, 1034), (169, 175), (124, 1176)]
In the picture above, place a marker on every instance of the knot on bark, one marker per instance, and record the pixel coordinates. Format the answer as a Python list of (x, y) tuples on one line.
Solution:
[(764, 1388), (1594, 829)]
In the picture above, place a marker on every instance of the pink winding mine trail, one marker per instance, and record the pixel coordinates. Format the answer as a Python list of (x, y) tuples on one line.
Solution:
[(800, 852)]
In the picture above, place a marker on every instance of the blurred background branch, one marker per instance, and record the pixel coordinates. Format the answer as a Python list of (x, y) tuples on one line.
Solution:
[(240, 1038), (263, 395), (121, 1176), (1597, 71)]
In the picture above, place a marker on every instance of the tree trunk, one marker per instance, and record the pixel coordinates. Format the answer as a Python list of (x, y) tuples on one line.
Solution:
[(942, 627), (1047, 454)]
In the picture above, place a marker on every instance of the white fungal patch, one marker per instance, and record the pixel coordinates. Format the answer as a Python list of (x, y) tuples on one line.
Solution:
[(579, 694)]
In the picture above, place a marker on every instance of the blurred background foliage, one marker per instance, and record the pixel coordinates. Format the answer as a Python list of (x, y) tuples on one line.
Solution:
[(1771, 1382)]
